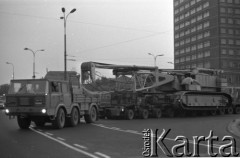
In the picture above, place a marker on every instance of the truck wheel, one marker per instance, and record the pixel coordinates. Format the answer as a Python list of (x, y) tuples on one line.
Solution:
[(221, 110), (129, 114), (59, 121), (23, 122), (74, 119), (144, 114), (230, 110), (158, 113), (92, 116), (237, 110)]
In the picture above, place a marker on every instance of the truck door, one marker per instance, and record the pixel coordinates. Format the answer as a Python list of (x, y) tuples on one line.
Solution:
[(55, 94), (67, 97)]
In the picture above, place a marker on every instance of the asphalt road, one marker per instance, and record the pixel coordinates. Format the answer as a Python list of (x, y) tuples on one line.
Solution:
[(107, 138)]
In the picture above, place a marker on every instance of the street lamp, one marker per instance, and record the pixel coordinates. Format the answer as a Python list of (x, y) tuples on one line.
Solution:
[(12, 68), (155, 57), (34, 53), (64, 17)]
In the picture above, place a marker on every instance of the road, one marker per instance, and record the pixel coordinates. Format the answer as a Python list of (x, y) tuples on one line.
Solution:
[(106, 138)]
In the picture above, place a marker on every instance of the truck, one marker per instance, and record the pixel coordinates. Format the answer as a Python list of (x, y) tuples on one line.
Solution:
[(143, 91), (52, 99)]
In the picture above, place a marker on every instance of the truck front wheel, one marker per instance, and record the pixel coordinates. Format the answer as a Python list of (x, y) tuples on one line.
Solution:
[(60, 119), (23, 122), (92, 116)]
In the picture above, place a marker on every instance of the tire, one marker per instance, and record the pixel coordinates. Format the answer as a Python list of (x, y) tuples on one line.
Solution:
[(23, 122), (92, 116), (129, 114), (237, 110), (221, 110), (158, 113), (144, 114), (60, 119), (75, 117), (230, 110), (213, 112)]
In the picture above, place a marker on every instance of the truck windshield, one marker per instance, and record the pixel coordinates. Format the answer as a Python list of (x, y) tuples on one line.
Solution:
[(32, 87)]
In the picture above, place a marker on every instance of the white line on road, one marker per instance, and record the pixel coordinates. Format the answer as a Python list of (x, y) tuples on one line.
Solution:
[(49, 133), (217, 146), (65, 144), (103, 155), (61, 138), (80, 146)]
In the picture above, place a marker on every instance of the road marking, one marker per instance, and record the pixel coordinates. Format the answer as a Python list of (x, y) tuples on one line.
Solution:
[(80, 146), (65, 144), (49, 133), (217, 146), (61, 138), (103, 155)]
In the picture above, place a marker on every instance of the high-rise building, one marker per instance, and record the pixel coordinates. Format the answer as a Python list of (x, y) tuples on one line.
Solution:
[(207, 35)]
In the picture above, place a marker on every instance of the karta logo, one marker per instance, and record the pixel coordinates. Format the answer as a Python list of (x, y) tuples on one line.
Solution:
[(153, 143)]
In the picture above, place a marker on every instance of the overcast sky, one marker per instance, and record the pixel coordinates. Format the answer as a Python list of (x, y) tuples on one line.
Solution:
[(109, 31)]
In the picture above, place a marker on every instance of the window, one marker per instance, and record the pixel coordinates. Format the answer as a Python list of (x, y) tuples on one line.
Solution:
[(193, 38), (223, 41), (206, 14), (205, 5), (237, 21), (192, 11), (188, 58), (200, 36), (223, 51), (200, 65), (223, 20), (207, 65), (206, 53), (193, 29), (207, 33), (230, 10), (230, 41), (206, 24), (238, 42), (207, 44), (230, 21), (237, 11), (188, 49), (231, 52), (199, 17), (223, 30), (200, 55), (222, 10), (230, 31), (200, 46), (187, 40), (199, 27), (193, 20), (199, 8), (193, 57), (193, 47), (229, 1)]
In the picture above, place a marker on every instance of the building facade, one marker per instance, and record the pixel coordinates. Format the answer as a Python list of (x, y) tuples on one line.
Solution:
[(207, 35)]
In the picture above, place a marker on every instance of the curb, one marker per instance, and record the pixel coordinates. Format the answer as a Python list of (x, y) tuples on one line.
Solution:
[(234, 128)]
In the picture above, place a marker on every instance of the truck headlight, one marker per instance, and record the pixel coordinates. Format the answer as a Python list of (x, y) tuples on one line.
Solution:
[(7, 111), (44, 111)]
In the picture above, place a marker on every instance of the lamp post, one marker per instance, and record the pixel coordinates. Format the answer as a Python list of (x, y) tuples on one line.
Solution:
[(64, 17), (155, 57), (34, 53), (12, 68)]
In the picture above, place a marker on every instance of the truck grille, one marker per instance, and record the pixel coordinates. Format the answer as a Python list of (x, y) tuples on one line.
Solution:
[(25, 101)]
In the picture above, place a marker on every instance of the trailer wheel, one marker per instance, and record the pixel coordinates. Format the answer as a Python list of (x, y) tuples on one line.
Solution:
[(23, 122), (144, 114), (237, 110), (230, 110), (221, 110), (60, 120), (74, 119), (129, 114), (158, 113), (92, 116), (213, 112)]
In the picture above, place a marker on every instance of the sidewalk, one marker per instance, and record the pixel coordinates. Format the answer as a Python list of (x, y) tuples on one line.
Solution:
[(234, 128)]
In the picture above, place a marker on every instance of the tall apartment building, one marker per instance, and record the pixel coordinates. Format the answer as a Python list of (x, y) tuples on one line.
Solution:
[(207, 35)]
